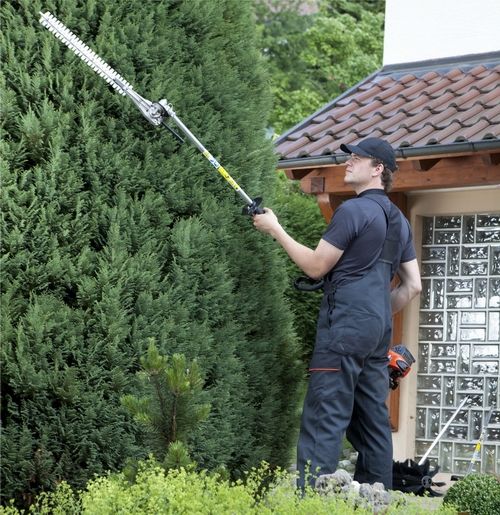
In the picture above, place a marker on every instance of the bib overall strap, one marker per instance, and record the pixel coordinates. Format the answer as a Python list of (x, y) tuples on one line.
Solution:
[(390, 252)]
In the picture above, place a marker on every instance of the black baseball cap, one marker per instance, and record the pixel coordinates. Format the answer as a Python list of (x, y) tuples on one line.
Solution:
[(373, 147)]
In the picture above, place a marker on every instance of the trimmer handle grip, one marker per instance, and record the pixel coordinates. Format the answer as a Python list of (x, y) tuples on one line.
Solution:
[(304, 283), (253, 208)]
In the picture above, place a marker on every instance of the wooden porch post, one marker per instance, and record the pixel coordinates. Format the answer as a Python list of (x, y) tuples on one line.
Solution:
[(400, 200)]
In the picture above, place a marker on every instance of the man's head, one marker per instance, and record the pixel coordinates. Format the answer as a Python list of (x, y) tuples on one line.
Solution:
[(382, 164)]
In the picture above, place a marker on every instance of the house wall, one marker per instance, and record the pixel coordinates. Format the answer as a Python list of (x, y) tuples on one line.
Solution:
[(434, 29), (430, 203)]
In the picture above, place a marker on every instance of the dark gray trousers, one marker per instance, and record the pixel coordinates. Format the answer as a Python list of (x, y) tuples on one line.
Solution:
[(350, 402)]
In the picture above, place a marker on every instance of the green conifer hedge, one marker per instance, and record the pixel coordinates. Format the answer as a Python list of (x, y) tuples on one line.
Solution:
[(114, 234)]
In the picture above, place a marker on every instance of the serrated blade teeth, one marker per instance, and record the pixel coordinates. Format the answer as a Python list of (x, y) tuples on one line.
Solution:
[(86, 54)]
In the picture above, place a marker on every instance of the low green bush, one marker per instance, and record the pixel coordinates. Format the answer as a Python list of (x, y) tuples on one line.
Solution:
[(159, 491), (479, 494)]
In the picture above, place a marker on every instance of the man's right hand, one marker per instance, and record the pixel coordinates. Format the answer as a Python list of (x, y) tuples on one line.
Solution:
[(266, 222)]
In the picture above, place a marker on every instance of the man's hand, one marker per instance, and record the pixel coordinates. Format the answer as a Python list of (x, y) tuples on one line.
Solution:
[(266, 222)]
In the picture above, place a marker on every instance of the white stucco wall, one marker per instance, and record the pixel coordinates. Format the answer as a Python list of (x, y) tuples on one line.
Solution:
[(418, 30)]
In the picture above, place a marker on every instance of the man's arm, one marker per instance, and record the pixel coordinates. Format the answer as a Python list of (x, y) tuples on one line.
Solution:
[(315, 263), (409, 287)]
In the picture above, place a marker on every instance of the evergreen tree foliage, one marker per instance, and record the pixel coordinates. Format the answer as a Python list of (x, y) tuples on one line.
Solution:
[(114, 234), (300, 215)]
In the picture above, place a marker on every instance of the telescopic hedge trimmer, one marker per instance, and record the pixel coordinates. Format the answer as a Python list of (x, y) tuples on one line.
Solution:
[(154, 112)]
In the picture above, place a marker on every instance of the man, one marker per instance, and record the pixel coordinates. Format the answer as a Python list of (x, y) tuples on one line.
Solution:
[(367, 241)]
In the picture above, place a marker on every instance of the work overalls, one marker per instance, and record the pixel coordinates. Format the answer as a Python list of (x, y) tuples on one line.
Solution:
[(349, 380)]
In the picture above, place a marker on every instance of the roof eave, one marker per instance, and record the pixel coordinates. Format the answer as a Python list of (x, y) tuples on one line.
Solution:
[(401, 153)]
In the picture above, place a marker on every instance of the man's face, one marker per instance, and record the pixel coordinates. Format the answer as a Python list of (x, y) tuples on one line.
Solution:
[(359, 171)]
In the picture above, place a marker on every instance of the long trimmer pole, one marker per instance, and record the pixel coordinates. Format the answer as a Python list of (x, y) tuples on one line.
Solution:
[(252, 204), (154, 112)]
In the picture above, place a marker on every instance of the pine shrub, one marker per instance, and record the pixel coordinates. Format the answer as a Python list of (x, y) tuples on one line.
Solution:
[(171, 405)]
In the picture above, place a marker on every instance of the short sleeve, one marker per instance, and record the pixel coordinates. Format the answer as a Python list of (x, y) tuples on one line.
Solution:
[(408, 253), (344, 226)]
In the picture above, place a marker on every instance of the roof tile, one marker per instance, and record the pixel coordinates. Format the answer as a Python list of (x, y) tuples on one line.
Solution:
[(418, 105), (489, 99)]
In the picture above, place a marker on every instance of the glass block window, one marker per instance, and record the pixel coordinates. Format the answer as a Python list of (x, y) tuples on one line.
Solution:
[(459, 340)]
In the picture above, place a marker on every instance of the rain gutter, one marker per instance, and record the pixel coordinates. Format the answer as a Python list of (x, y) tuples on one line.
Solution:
[(401, 153)]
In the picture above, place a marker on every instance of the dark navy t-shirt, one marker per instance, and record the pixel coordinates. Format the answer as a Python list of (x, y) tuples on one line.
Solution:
[(358, 227)]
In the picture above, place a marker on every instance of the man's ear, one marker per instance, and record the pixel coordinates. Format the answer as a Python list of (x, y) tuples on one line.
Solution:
[(378, 170)]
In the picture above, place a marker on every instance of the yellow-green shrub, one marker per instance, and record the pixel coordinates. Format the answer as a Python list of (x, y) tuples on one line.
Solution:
[(160, 492)]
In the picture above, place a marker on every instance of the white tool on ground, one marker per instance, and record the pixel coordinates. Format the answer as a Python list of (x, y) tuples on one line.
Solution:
[(441, 433)]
